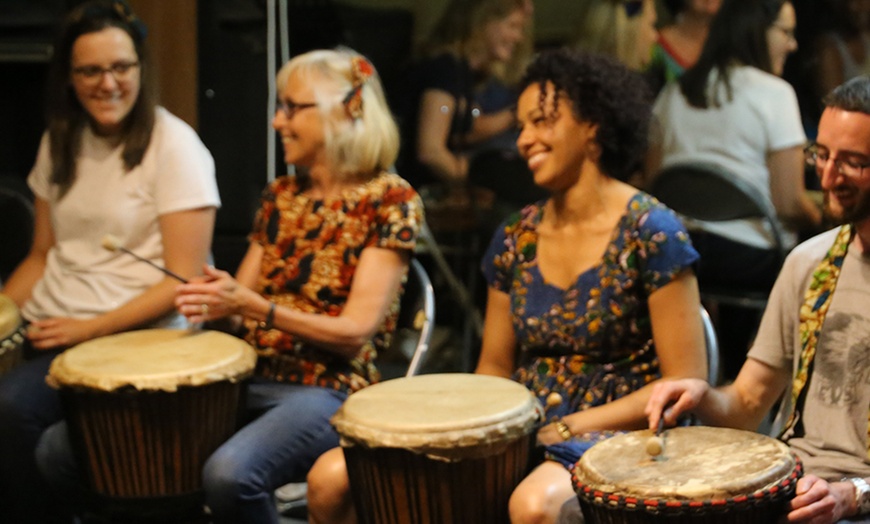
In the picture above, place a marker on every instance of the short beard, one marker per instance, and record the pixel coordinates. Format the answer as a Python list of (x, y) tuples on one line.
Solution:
[(857, 213)]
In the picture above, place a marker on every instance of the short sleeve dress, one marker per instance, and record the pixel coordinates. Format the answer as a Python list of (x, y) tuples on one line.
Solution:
[(591, 343)]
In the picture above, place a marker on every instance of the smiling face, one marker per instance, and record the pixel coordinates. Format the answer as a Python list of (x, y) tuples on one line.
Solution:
[(553, 142), (108, 97), (780, 38), (503, 35), (301, 128), (845, 135)]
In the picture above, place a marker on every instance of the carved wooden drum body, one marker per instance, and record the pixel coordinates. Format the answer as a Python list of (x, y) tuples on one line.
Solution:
[(147, 408), (705, 475), (446, 448)]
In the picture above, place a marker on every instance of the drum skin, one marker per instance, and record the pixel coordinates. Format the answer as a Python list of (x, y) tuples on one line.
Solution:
[(446, 448), (705, 475), (147, 408), (12, 333)]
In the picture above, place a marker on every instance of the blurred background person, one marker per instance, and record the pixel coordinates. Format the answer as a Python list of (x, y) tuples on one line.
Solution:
[(111, 162), (624, 30), (843, 52), (679, 43), (732, 109)]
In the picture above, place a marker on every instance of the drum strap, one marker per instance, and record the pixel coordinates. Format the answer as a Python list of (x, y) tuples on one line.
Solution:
[(817, 299)]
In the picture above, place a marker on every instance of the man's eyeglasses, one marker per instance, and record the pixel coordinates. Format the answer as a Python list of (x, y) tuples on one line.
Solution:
[(848, 167), (290, 108), (93, 74)]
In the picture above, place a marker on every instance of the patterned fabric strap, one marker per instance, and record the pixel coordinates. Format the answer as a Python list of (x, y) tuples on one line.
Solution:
[(817, 299)]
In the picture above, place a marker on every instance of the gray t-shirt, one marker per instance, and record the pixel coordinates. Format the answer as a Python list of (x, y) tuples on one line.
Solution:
[(835, 413)]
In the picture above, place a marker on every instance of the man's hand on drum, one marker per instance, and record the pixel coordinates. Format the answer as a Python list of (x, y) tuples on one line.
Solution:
[(60, 332), (682, 395), (214, 295), (817, 501)]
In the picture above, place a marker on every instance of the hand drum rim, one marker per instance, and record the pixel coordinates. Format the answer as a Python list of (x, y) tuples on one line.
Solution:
[(425, 414), (153, 360), (702, 466)]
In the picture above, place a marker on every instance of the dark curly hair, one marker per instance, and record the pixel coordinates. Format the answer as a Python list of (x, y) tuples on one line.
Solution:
[(602, 92)]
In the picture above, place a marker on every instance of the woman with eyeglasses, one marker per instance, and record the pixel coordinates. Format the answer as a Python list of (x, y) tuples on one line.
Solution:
[(317, 292), (733, 110), (111, 162)]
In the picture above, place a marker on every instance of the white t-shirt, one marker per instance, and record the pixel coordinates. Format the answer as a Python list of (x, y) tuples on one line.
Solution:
[(82, 279), (762, 117), (838, 393)]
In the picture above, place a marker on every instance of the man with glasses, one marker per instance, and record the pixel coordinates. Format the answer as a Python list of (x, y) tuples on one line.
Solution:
[(813, 346)]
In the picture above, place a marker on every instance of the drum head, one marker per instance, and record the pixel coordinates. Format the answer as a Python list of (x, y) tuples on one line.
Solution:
[(153, 359), (10, 318), (448, 412), (699, 463)]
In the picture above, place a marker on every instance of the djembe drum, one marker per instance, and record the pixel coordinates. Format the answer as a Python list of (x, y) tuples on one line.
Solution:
[(444, 448), (705, 475), (146, 409), (11, 334)]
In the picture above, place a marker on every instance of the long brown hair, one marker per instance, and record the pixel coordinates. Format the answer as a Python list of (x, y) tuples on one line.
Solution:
[(64, 113)]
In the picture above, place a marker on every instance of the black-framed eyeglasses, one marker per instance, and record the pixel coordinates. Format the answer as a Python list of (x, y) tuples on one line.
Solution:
[(92, 74), (290, 108), (818, 157)]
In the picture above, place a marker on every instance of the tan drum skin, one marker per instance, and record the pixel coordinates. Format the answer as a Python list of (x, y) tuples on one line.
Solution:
[(441, 448), (11, 334), (706, 474)]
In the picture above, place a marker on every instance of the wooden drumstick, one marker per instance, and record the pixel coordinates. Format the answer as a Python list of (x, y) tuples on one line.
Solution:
[(113, 243)]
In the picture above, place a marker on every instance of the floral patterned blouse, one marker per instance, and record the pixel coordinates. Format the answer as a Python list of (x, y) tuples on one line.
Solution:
[(590, 343), (311, 248)]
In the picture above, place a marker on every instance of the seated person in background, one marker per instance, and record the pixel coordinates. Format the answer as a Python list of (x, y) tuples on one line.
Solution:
[(732, 109), (679, 43), (592, 296), (443, 120), (317, 292), (843, 52), (111, 162), (624, 30), (812, 345)]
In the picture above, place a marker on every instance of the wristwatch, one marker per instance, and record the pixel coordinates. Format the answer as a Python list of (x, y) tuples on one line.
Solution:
[(862, 494)]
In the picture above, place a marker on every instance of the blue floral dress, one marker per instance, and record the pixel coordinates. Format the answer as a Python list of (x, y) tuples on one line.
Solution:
[(591, 343)]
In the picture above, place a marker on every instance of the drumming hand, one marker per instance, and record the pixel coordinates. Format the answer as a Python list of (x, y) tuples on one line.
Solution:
[(60, 332), (212, 296), (817, 501), (684, 395)]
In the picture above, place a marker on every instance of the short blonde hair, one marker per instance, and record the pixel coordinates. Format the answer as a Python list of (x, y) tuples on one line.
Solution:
[(355, 147)]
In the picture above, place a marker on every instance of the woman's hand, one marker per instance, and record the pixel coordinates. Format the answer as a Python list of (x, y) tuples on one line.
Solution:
[(213, 296), (685, 395), (61, 332)]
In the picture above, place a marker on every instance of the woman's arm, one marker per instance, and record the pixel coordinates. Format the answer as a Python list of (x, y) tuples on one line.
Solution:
[(376, 282), (30, 270), (488, 125), (433, 134), (788, 192), (186, 242), (497, 355), (679, 341)]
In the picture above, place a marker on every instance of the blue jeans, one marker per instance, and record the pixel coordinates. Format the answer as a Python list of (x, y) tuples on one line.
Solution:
[(289, 429), (27, 407)]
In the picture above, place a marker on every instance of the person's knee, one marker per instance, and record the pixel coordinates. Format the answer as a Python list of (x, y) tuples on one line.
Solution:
[(328, 483), (529, 506), (224, 478)]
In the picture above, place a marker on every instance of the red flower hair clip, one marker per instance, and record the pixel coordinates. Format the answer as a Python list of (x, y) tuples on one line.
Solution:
[(361, 70)]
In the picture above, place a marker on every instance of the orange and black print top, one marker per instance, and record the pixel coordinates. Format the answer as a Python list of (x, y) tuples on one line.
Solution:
[(311, 248)]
